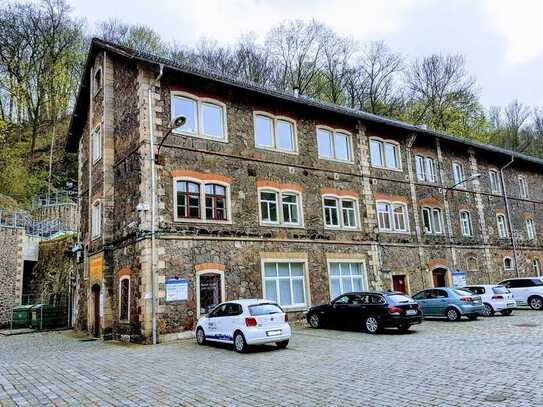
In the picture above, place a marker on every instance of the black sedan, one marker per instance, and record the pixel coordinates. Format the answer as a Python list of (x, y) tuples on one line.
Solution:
[(370, 310)]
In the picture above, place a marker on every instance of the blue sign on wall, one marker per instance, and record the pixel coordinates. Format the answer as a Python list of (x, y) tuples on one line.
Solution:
[(177, 289)]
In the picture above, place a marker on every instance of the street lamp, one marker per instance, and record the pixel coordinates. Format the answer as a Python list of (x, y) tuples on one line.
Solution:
[(178, 122), (470, 178)]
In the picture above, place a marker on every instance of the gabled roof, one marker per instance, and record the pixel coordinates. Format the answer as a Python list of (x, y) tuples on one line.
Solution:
[(81, 106)]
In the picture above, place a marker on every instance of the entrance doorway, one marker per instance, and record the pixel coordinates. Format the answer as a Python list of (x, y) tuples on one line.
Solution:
[(210, 286), (440, 277), (96, 307), (398, 283)]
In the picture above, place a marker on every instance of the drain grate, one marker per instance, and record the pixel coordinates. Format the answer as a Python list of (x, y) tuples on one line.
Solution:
[(88, 340), (496, 397), (526, 325)]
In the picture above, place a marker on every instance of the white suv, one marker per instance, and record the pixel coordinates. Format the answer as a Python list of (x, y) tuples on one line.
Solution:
[(496, 298), (243, 323), (526, 291)]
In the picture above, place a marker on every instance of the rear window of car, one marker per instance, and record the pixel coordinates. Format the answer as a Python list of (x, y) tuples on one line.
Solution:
[(398, 298), (264, 309), (463, 292), (537, 281), (500, 290)]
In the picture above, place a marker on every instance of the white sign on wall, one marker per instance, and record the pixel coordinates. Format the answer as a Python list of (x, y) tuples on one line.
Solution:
[(459, 279), (177, 290)]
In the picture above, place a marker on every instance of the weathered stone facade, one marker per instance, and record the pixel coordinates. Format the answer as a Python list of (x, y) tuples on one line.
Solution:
[(136, 98), (11, 271)]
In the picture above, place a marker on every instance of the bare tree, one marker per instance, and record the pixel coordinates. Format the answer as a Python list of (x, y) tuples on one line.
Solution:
[(336, 71), (442, 93), (298, 47), (136, 36)]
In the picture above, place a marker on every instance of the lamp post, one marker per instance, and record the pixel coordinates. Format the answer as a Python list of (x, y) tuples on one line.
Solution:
[(177, 122), (447, 190)]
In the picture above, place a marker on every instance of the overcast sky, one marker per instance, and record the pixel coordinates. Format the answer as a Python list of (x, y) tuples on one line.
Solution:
[(501, 39)]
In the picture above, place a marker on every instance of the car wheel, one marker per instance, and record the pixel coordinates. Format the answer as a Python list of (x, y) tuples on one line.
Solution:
[(452, 314), (200, 336), (488, 311), (282, 344), (314, 320), (404, 327), (507, 312), (535, 302), (373, 325), (240, 345)]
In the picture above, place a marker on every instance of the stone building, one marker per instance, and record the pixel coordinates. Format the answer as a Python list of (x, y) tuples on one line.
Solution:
[(267, 194)]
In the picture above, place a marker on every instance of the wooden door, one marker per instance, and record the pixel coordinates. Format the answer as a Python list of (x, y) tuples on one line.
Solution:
[(96, 300), (439, 278), (398, 284)]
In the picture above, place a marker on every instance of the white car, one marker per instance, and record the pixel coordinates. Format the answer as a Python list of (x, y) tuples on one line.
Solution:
[(243, 323), (496, 298), (526, 291)]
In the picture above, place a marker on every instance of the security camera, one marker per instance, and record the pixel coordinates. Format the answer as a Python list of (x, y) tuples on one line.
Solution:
[(179, 121)]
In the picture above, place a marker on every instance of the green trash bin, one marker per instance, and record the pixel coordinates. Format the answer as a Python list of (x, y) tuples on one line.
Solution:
[(44, 316), (22, 316)]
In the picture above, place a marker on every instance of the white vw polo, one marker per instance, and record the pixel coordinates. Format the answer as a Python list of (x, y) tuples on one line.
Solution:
[(243, 323)]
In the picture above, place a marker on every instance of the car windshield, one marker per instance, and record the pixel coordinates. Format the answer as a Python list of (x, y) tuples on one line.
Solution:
[(500, 290), (463, 292), (264, 309), (398, 298)]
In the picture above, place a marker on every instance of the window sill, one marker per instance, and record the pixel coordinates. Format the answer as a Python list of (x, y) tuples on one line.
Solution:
[(204, 221), (295, 308), (281, 225), (276, 150), (378, 167), (342, 229), (201, 136), (350, 162), (394, 232)]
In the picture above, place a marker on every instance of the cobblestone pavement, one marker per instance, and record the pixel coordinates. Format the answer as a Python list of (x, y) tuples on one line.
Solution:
[(441, 363)]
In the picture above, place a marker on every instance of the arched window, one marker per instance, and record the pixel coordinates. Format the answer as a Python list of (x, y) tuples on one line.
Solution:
[(124, 299), (188, 199), (507, 264), (502, 226), (471, 263)]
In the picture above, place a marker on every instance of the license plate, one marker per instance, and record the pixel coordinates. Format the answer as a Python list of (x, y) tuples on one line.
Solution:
[(511, 304), (411, 312), (273, 333)]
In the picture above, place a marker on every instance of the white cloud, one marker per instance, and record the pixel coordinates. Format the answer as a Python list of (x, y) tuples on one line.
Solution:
[(519, 23)]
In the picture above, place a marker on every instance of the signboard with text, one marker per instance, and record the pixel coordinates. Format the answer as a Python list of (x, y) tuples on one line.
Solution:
[(177, 289), (459, 279)]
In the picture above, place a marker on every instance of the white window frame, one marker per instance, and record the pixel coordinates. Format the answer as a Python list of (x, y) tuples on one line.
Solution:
[(95, 88), (274, 120), (391, 215), (129, 294), (461, 174), (495, 186), (433, 214), (425, 168), (384, 163), (279, 202), (333, 133), (339, 202), (511, 261), (523, 186), (199, 116), (530, 228), (307, 292), (202, 218), (97, 143), (96, 219), (501, 222), (466, 226), (536, 266), (363, 268)]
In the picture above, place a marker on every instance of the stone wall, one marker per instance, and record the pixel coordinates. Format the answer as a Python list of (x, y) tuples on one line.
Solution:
[(11, 271)]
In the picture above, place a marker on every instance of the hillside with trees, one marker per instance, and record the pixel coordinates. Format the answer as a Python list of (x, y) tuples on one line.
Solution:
[(44, 48)]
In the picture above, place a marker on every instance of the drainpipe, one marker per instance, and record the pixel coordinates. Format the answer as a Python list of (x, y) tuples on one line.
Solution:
[(153, 208), (508, 212)]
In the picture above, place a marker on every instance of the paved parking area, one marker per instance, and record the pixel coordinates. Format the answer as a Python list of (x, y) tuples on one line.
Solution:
[(440, 364)]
